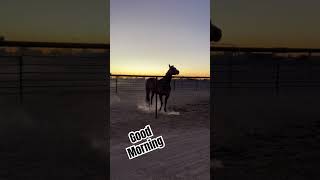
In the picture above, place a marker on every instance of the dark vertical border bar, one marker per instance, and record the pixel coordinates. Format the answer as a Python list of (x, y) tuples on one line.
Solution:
[(108, 120)]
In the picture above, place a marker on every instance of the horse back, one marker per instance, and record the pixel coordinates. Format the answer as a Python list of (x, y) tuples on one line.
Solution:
[(151, 83)]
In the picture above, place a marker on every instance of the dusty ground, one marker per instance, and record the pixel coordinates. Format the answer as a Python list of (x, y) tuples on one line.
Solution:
[(53, 137), (185, 129), (266, 137)]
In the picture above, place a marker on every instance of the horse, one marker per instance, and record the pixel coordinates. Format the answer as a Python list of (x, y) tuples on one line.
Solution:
[(160, 87), (215, 33)]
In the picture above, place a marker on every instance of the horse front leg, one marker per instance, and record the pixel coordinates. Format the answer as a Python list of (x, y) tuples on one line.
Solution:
[(160, 97), (165, 103)]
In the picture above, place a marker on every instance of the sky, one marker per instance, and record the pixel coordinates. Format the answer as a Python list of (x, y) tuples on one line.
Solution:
[(148, 35), (80, 21), (268, 23)]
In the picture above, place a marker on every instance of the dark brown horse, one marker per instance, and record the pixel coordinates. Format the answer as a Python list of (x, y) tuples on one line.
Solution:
[(215, 33), (160, 87)]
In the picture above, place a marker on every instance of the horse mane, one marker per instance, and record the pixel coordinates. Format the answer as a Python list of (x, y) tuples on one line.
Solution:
[(168, 76), (160, 87)]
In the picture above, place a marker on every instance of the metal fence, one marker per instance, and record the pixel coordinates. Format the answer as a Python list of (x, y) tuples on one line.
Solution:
[(132, 84), (136, 82), (273, 68), (23, 73)]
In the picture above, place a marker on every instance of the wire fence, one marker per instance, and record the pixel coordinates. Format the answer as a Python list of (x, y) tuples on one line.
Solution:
[(264, 68), (23, 73), (134, 85)]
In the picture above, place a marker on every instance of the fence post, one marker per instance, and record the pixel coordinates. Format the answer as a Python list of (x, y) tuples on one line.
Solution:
[(277, 78), (230, 71), (116, 84), (156, 98), (310, 74), (20, 79)]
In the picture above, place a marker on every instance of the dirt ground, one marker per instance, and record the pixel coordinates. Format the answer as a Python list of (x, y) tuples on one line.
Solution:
[(266, 137), (185, 129), (53, 137)]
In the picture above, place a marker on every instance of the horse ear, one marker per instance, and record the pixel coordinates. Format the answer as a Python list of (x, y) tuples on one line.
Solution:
[(169, 66)]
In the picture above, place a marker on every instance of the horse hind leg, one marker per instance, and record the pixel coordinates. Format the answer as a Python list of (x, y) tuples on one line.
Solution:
[(148, 95), (165, 103), (160, 97)]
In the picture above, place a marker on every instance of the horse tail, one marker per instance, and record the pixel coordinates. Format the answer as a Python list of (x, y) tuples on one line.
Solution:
[(147, 92)]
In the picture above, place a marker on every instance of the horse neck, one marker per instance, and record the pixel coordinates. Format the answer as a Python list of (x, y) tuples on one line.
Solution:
[(168, 77)]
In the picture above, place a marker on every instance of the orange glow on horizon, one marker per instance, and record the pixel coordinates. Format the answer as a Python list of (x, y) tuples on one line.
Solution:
[(161, 73)]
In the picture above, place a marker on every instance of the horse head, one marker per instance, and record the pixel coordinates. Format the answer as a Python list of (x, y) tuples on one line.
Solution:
[(215, 33), (173, 70)]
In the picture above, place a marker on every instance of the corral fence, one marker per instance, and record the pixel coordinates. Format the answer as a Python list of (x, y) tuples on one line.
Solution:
[(136, 83), (264, 68), (29, 71)]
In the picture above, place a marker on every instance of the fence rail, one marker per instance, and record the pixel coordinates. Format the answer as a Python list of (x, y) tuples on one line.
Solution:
[(261, 50), (187, 77), (54, 45)]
